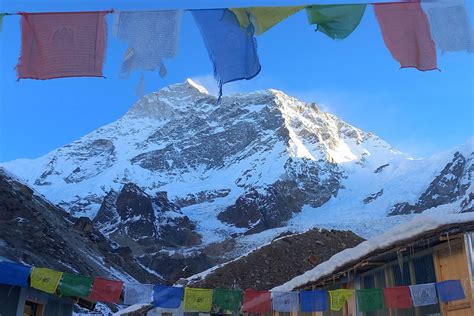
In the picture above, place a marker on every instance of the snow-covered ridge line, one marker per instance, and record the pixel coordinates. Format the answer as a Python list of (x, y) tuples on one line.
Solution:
[(240, 173), (417, 226)]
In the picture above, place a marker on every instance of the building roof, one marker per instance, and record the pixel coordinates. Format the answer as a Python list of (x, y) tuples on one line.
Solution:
[(421, 227), (277, 262)]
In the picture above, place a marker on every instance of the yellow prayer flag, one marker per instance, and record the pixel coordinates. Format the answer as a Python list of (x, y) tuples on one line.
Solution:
[(45, 279), (263, 18), (339, 298), (197, 300)]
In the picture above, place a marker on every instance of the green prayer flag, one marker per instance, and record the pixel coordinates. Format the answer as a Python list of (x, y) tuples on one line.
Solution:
[(370, 300), (75, 285), (336, 21), (227, 300)]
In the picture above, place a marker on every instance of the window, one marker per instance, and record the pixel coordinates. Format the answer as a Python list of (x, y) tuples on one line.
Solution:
[(368, 281), (415, 270), (425, 273), (401, 278), (32, 309), (470, 251)]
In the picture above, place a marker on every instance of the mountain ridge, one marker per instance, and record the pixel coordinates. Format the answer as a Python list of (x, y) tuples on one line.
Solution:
[(232, 176)]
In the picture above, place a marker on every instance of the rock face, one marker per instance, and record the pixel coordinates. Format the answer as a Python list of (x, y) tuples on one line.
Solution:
[(146, 224), (36, 232), (280, 261), (185, 182), (451, 184), (373, 197)]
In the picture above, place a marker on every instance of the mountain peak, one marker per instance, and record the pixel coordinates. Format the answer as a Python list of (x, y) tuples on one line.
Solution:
[(161, 104), (188, 87), (195, 85)]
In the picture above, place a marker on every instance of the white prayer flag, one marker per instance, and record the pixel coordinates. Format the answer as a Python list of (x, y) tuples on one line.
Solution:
[(450, 25), (423, 294), (285, 301), (136, 293), (151, 36)]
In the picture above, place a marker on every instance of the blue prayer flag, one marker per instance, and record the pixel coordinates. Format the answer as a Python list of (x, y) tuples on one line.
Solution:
[(12, 273), (167, 296), (232, 49), (314, 301), (450, 290)]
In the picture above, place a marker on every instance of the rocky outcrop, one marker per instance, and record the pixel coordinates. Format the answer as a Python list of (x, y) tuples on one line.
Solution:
[(201, 197), (449, 185), (372, 197), (145, 224), (261, 211), (467, 205), (381, 168), (312, 184), (36, 232), (131, 213)]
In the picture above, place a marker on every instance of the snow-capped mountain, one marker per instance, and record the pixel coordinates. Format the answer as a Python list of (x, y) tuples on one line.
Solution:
[(230, 177)]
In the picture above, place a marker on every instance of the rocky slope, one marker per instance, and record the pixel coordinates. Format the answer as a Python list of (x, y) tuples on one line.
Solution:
[(36, 232), (278, 262), (186, 183)]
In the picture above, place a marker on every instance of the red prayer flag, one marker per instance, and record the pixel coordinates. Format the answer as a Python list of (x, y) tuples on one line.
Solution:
[(397, 297), (104, 290), (257, 301), (406, 32), (58, 45)]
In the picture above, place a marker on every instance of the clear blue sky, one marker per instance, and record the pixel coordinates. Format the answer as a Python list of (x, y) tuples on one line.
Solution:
[(418, 112)]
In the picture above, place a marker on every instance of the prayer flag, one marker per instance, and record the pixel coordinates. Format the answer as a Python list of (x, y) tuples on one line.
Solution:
[(233, 51), (406, 33), (151, 36), (263, 18), (167, 296), (369, 300), (136, 293), (75, 285), (12, 273), (423, 294), (336, 21), (257, 301), (227, 300), (58, 45), (397, 297), (104, 290), (450, 25), (197, 300), (339, 297), (314, 301), (286, 302), (45, 279), (450, 290)]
